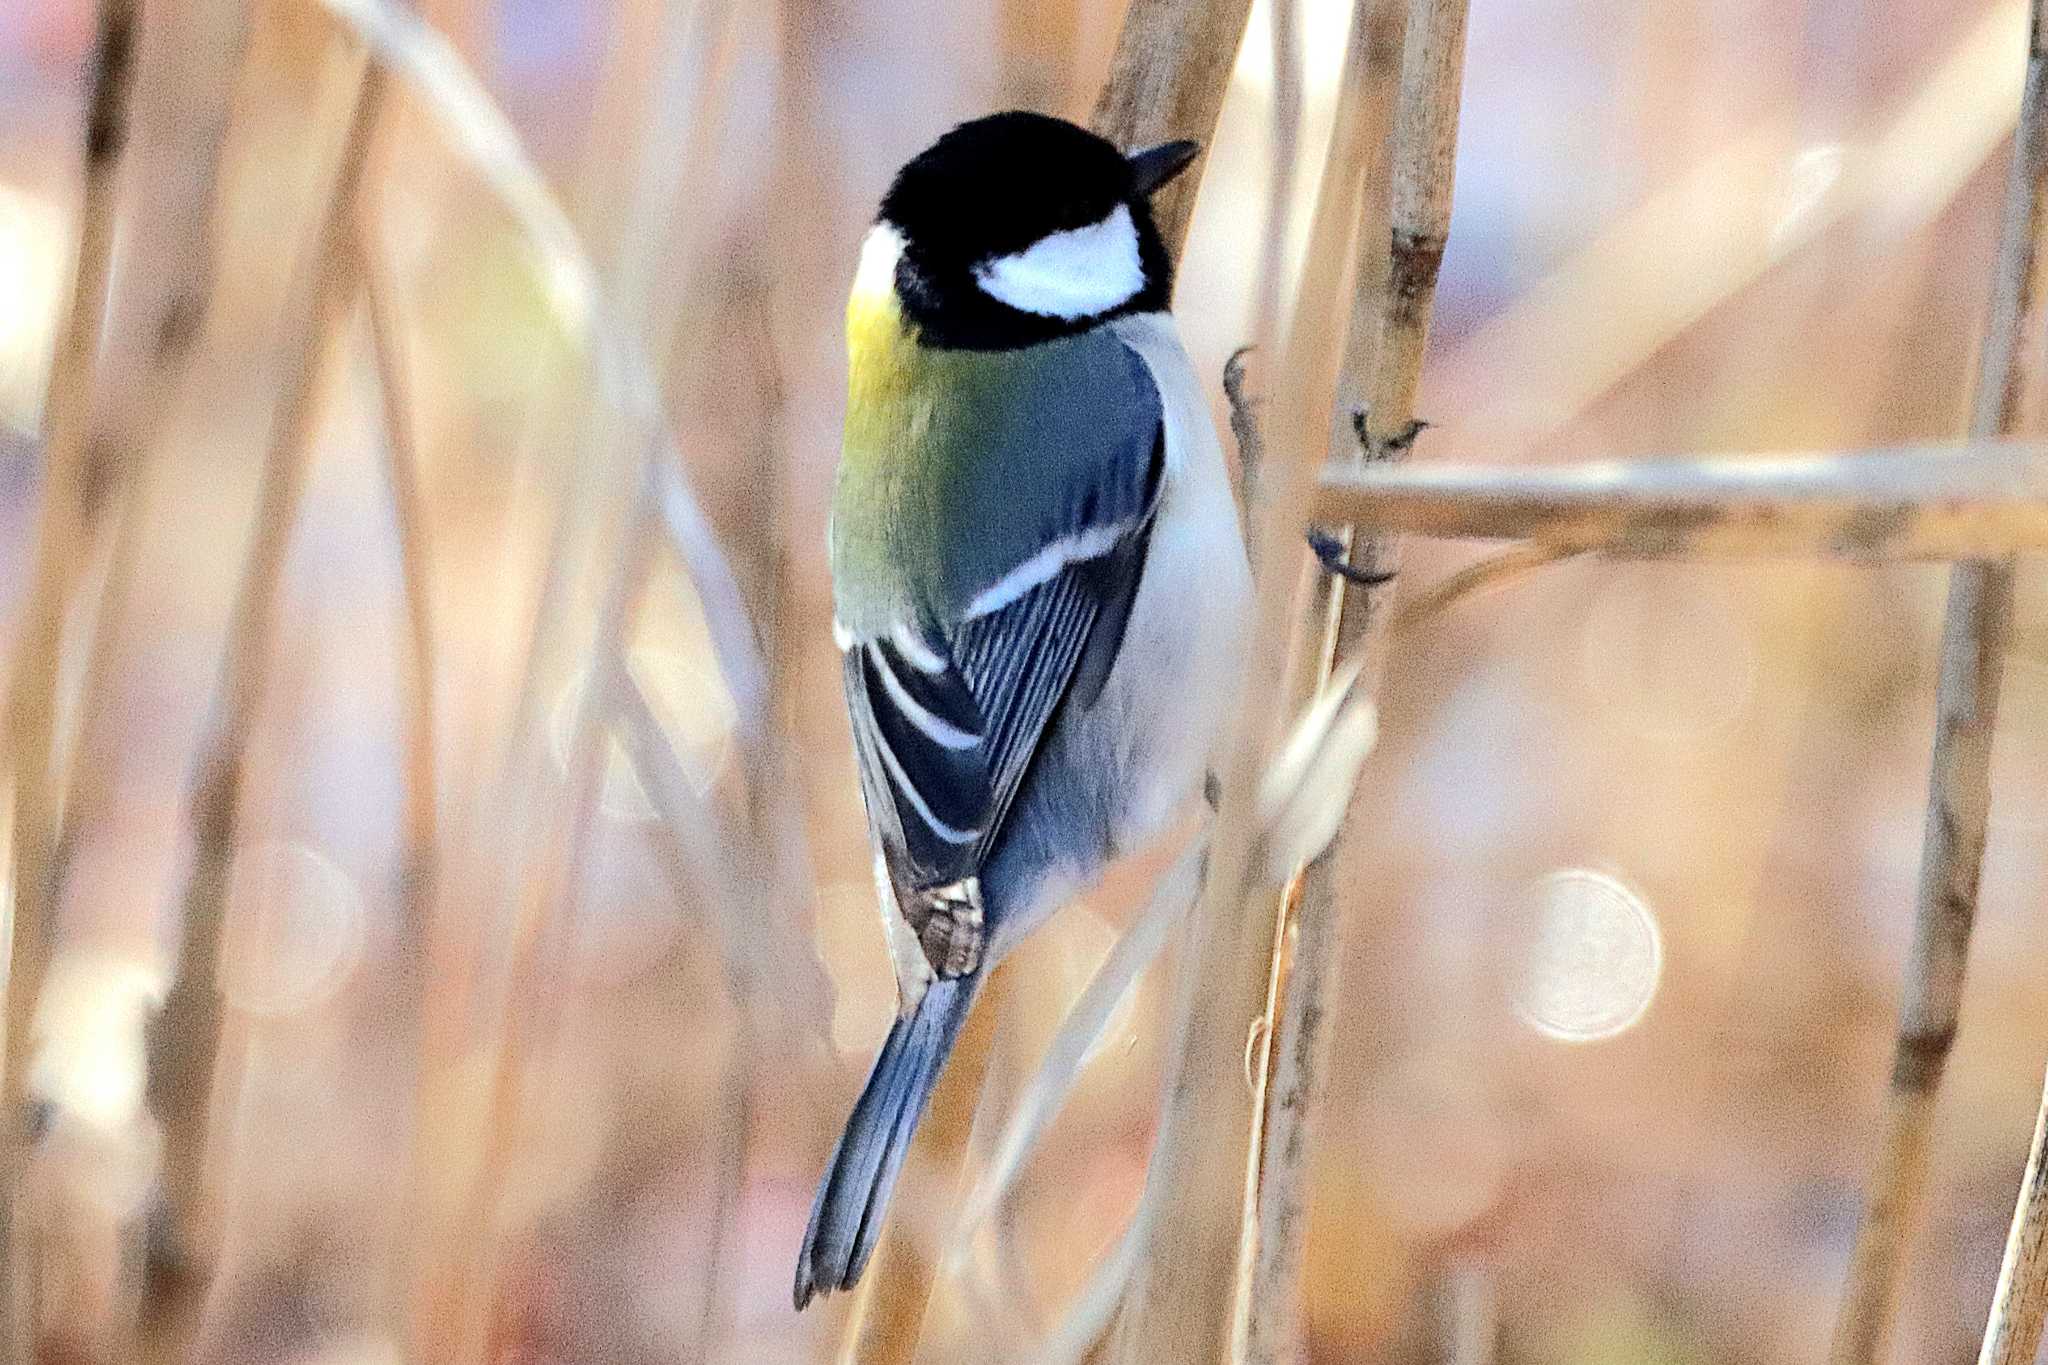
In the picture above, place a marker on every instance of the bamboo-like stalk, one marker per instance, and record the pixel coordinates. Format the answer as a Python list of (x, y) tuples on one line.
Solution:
[(544, 933), (1916, 502), (419, 832), (419, 842), (182, 127), (68, 499), (1167, 80), (1471, 1313), (1202, 1164), (1383, 360), (2012, 1336), (1978, 625), (184, 1036)]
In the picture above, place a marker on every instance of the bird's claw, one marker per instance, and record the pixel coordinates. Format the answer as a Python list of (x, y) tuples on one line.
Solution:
[(1397, 444), (1329, 550)]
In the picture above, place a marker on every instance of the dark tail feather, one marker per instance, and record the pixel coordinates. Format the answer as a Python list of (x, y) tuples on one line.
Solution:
[(846, 1220)]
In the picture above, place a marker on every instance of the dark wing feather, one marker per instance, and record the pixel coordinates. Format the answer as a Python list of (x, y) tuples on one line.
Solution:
[(939, 804)]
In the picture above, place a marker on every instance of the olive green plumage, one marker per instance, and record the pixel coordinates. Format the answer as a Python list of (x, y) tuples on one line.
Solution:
[(960, 465)]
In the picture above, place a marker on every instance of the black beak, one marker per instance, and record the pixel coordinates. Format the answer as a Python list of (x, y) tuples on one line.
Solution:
[(1153, 167)]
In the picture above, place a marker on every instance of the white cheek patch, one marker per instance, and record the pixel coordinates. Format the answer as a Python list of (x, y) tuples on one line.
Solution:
[(1074, 274)]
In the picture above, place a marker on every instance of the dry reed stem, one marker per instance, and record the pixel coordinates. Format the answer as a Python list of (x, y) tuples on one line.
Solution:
[(1204, 1163), (182, 121), (1471, 1313), (1411, 77), (544, 935), (1283, 153), (2012, 1336), (419, 844), (479, 132), (1476, 577), (1348, 210), (183, 1037), (69, 497), (419, 837), (1978, 625), (1921, 502), (687, 842), (1167, 80)]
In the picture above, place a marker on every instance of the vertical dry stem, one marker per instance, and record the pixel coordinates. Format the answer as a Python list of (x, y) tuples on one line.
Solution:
[(1167, 79), (184, 1036), (69, 500), (2013, 1334), (1978, 624), (1204, 1158), (545, 933), (1384, 359), (182, 129)]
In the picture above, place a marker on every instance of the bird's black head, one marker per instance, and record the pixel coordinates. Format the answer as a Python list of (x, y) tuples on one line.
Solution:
[(1018, 228)]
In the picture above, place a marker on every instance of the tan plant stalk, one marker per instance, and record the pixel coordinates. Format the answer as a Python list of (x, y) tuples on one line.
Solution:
[(182, 122), (419, 842), (1925, 502), (1397, 277), (1978, 625), (2012, 1336), (543, 936), (1202, 1164), (1167, 80), (419, 833), (184, 1035), (62, 539)]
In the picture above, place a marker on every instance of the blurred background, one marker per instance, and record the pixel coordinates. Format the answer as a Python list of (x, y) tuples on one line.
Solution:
[(1634, 868)]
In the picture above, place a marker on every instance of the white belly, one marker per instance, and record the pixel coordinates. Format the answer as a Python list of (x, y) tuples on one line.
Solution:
[(1177, 675)]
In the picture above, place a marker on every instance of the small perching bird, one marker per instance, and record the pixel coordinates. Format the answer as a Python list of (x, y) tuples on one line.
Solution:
[(1039, 580)]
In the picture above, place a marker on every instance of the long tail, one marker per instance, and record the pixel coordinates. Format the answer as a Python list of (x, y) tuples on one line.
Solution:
[(846, 1220)]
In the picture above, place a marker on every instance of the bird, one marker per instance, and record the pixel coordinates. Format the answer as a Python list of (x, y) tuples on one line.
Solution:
[(1040, 585)]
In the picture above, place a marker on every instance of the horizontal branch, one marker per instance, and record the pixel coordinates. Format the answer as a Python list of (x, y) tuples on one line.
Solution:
[(1981, 500)]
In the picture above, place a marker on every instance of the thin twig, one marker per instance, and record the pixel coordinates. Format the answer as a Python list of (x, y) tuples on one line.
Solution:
[(1471, 1313), (1284, 130), (1956, 501), (419, 847), (2012, 1336), (184, 1035), (545, 932), (479, 131), (1979, 623), (688, 842), (1167, 79), (1046, 1092), (419, 840), (1399, 274), (1476, 577), (1350, 211), (62, 536)]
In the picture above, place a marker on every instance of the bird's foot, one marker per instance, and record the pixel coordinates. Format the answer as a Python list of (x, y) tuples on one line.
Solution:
[(1381, 447), (1330, 551)]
